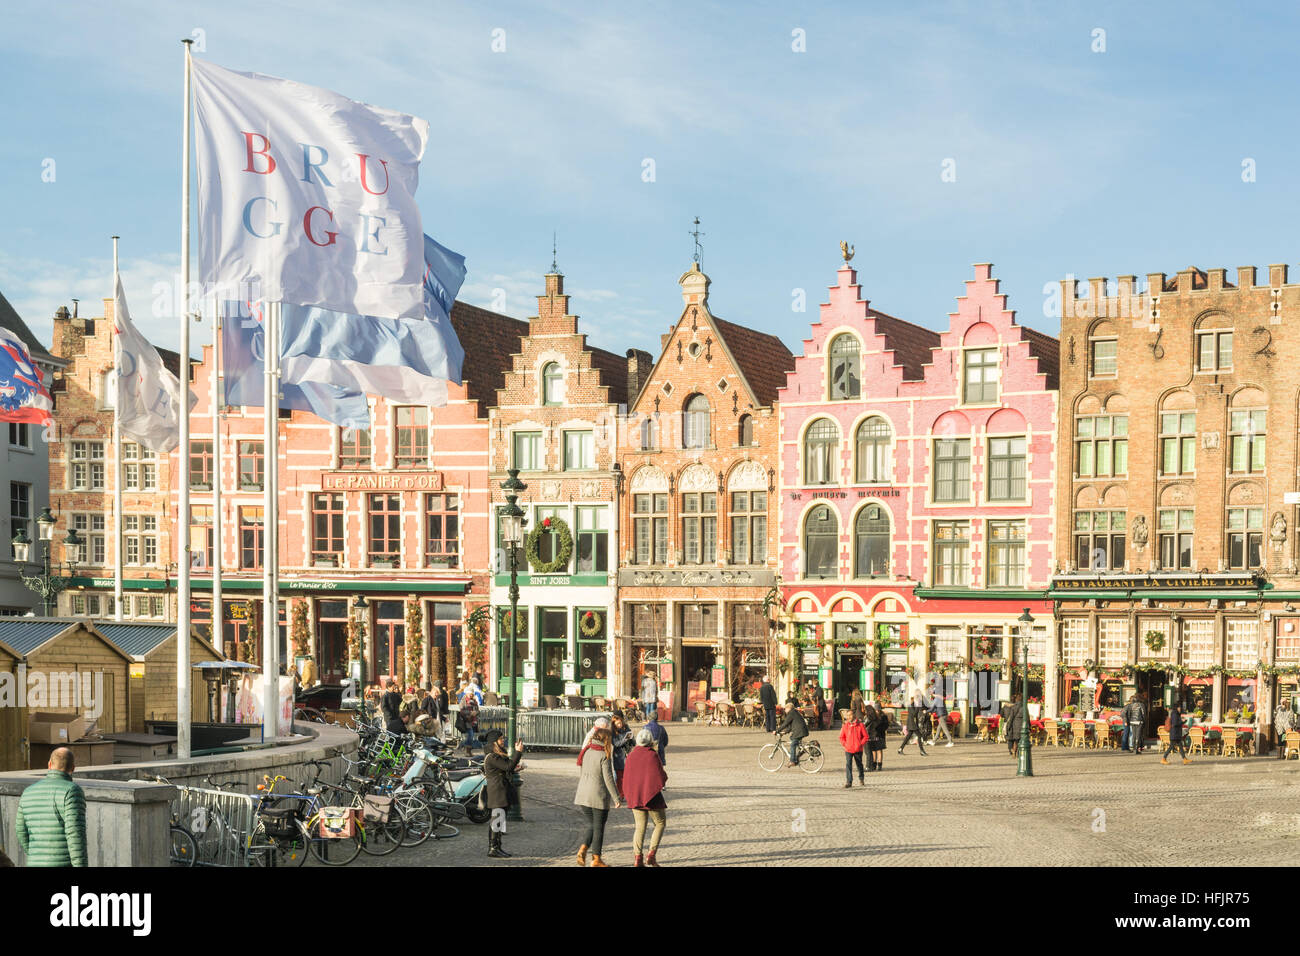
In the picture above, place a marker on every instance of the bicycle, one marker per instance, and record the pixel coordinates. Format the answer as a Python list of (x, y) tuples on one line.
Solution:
[(183, 849), (774, 756)]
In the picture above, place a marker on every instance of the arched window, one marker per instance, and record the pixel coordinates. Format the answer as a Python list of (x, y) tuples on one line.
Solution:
[(647, 434), (552, 384), (695, 422), (746, 431), (871, 451), (871, 543), (821, 538), (819, 447), (844, 380)]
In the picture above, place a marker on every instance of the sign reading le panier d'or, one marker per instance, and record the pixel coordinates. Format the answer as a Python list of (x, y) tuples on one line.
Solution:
[(348, 480)]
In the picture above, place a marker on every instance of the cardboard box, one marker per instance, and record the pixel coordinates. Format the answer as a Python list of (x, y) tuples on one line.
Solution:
[(54, 727), (85, 753)]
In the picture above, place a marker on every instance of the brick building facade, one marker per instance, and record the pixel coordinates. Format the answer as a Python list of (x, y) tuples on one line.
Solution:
[(555, 419), (1178, 505), (701, 542), (916, 502)]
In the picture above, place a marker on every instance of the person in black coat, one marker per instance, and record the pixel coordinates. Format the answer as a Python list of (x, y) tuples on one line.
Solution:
[(767, 697), (877, 722), (391, 707), (793, 724), (1015, 724), (497, 770), (917, 717)]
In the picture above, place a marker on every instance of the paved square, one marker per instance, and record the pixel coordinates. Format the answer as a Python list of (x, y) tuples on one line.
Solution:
[(958, 806)]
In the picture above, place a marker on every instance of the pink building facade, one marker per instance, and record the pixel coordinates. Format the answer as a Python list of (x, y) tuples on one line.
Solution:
[(916, 505)]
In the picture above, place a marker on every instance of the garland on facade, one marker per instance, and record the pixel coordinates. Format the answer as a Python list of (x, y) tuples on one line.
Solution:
[(1036, 671), (476, 636), (1275, 670), (300, 632), (948, 667), (356, 634), (591, 623), (563, 548), (414, 641), (773, 597), (250, 648)]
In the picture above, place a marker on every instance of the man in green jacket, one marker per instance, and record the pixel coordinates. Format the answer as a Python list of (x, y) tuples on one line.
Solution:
[(51, 818)]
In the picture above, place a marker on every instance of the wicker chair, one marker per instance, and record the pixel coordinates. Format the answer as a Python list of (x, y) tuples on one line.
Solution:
[(1163, 734), (1051, 733), (750, 715), (1231, 745), (1292, 744), (1078, 734), (982, 725), (1196, 740), (701, 712)]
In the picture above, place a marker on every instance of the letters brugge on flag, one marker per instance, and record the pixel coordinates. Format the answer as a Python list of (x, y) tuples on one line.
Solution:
[(24, 396), (307, 197)]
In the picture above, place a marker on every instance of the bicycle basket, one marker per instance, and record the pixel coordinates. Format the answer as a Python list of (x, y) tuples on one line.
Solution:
[(280, 822), (377, 808), (338, 823)]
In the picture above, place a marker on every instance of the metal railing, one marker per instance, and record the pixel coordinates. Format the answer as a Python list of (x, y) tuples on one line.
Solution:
[(221, 823)]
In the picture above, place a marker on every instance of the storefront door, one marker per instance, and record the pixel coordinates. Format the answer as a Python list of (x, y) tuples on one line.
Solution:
[(1152, 683), (697, 668), (332, 640), (848, 677)]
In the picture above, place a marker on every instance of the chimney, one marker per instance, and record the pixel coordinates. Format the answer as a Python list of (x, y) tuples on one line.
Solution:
[(639, 364), (1277, 276), (1246, 277)]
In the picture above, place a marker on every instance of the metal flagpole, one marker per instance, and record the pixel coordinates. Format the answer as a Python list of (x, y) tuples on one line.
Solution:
[(183, 508), (117, 455), (270, 523), (218, 618)]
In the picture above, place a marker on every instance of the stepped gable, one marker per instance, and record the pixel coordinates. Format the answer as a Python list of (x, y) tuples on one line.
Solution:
[(490, 341)]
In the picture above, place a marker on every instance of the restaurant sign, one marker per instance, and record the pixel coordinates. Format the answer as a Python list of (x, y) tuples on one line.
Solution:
[(364, 481), (1134, 582)]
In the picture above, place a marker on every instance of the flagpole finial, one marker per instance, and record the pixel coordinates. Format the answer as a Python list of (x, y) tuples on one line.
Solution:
[(188, 41), (699, 250), (555, 268)]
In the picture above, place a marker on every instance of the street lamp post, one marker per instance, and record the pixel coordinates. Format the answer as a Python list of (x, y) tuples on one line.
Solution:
[(1026, 766), (52, 580), (512, 536)]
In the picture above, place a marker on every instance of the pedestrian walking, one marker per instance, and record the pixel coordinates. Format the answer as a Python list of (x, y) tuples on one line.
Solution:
[(649, 695), (767, 697), (940, 711), (660, 735), (916, 717), (1135, 718), (1284, 719), (819, 704), (391, 707), (857, 705), (643, 787), (467, 720), (623, 743), (51, 817), (793, 724), (1015, 725), (597, 794), (853, 738), (498, 784), (877, 723), (1177, 739)]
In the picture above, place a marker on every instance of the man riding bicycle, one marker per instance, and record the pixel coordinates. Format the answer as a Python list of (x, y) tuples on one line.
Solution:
[(793, 724)]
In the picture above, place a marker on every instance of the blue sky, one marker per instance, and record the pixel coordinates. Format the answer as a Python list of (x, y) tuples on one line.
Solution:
[(1067, 160)]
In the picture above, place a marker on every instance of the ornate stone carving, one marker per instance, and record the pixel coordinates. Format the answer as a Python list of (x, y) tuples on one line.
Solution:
[(650, 479), (696, 478), (747, 476), (589, 489), (551, 490), (1277, 530), (1140, 533)]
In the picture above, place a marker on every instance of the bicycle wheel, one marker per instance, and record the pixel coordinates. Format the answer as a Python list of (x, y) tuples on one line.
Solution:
[(813, 758), (771, 757), (442, 825), (419, 820), (184, 851), (329, 851), (381, 839)]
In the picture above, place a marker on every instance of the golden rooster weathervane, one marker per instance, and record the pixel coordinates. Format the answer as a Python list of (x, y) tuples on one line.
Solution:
[(846, 250)]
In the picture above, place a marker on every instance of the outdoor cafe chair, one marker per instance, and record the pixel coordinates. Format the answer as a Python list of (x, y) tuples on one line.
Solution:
[(1163, 736), (1196, 738), (982, 726), (1052, 733), (750, 717), (1232, 742), (701, 712), (1078, 734), (1292, 744)]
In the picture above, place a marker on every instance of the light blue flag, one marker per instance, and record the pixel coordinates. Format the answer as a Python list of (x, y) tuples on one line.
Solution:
[(405, 360), (243, 347)]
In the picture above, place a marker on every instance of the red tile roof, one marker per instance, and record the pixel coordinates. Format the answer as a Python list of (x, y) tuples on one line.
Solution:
[(613, 374), (910, 343), (762, 358), (1048, 352), (489, 340)]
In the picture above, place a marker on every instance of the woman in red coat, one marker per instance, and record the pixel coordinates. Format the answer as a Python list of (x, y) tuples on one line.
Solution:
[(853, 737), (643, 789)]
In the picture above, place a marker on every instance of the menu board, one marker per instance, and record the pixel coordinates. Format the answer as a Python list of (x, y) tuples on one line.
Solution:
[(895, 666)]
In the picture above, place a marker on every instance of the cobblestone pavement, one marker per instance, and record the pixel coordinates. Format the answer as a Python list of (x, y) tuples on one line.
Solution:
[(959, 805)]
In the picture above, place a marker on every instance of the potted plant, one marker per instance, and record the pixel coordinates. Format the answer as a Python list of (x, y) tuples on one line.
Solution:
[(1247, 714), (1230, 716), (1035, 707), (1199, 713), (1069, 710)]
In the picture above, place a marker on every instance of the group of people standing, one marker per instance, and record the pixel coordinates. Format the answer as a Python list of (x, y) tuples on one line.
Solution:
[(863, 732), (617, 769)]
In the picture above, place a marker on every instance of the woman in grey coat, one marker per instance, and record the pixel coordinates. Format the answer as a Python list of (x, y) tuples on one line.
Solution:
[(597, 793)]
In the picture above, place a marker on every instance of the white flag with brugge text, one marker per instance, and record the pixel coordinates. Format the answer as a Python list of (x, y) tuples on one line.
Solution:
[(307, 197)]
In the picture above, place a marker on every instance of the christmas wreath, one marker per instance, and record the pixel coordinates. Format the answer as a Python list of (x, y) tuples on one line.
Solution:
[(563, 549), (506, 618), (1155, 641), (984, 646), (590, 623)]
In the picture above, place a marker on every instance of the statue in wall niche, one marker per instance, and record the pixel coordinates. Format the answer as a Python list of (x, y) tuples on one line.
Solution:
[(1277, 530), (1140, 533)]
